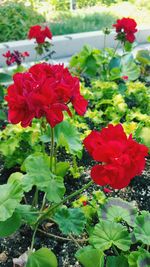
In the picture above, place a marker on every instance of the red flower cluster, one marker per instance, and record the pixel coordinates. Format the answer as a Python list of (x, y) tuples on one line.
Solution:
[(39, 33), (45, 90), (126, 29), (15, 56), (122, 157)]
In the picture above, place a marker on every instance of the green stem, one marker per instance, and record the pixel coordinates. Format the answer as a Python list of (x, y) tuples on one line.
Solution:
[(35, 199), (147, 247), (50, 209), (104, 42), (115, 49), (52, 149), (115, 250), (75, 241), (33, 237)]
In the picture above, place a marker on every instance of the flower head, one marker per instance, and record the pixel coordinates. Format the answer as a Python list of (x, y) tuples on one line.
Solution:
[(125, 29), (122, 157), (39, 33), (15, 57), (45, 90)]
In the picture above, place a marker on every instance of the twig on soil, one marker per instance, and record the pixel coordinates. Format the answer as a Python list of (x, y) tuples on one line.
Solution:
[(75, 241), (63, 238)]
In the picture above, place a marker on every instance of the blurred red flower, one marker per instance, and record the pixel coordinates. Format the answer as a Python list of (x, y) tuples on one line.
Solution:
[(15, 56), (45, 90), (126, 29), (122, 157), (39, 33)]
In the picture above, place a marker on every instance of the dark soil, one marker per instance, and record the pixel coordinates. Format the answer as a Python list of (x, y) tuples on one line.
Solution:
[(14, 246)]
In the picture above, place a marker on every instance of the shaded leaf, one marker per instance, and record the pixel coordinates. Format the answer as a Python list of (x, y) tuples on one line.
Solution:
[(89, 257), (142, 228), (4, 77), (144, 260), (70, 220), (28, 214), (9, 226), (117, 261)]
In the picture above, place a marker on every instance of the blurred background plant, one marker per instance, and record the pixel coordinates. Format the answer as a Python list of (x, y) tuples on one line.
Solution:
[(67, 16)]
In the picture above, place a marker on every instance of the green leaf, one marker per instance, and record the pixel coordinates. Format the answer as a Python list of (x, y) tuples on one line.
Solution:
[(143, 56), (128, 46), (39, 174), (43, 257), (117, 210), (70, 220), (10, 196), (62, 168), (142, 228), (67, 136), (15, 177), (5, 77), (1, 93), (119, 261), (108, 233), (2, 115), (129, 67), (144, 260), (133, 257), (148, 39), (90, 257), (55, 189), (10, 226), (114, 63), (28, 214)]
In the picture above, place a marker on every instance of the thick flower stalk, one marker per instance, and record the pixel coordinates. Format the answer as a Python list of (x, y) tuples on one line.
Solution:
[(121, 157), (44, 91), (125, 29)]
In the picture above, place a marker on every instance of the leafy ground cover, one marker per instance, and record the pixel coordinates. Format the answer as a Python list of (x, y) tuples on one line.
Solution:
[(74, 144)]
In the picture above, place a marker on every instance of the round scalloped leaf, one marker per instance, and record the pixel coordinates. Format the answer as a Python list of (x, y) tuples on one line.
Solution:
[(115, 209), (142, 228), (129, 67), (89, 257), (144, 260), (10, 196), (70, 220), (10, 226), (43, 257), (119, 261), (108, 233)]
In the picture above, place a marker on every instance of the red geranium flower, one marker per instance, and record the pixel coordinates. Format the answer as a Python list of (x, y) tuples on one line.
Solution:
[(15, 56), (45, 90), (39, 33), (122, 157), (126, 29)]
